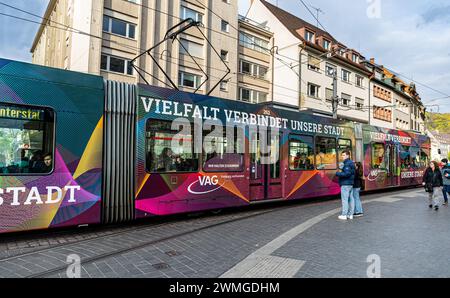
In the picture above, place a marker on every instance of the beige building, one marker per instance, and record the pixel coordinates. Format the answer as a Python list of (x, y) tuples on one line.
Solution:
[(255, 63), (128, 28)]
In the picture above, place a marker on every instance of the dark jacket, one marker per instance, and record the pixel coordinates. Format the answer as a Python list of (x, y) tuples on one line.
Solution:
[(434, 178), (358, 179), (446, 170), (347, 176)]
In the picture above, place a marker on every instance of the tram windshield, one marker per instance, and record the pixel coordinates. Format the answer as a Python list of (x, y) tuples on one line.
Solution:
[(26, 140)]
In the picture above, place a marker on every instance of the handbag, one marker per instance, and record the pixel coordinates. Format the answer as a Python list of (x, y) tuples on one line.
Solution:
[(429, 187)]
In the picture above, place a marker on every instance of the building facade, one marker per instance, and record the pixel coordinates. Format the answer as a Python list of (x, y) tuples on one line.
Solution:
[(120, 30), (440, 145), (273, 56)]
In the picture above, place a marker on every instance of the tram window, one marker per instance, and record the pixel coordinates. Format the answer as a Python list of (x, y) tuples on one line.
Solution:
[(424, 158), (301, 153), (345, 145), (169, 151), (405, 157), (222, 158), (326, 157), (26, 140), (415, 157), (379, 156)]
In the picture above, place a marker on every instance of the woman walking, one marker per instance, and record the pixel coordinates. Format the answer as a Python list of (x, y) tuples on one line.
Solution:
[(433, 182), (357, 187)]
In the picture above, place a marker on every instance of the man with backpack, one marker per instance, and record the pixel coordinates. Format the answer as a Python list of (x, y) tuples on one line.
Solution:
[(446, 178)]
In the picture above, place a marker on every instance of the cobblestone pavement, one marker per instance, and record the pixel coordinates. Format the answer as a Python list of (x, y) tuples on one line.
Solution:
[(295, 240)]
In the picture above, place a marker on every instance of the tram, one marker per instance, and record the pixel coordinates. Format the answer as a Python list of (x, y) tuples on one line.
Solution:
[(78, 150)]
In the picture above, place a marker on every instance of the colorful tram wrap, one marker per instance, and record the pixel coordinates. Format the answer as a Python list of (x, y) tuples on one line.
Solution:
[(76, 149)]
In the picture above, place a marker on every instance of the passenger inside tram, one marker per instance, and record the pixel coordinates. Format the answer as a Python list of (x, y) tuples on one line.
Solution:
[(301, 162), (168, 161)]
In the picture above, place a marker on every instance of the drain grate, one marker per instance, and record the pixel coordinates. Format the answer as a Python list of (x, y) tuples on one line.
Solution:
[(161, 266)]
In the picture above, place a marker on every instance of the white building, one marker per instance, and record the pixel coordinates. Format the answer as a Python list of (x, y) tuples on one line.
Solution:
[(301, 67)]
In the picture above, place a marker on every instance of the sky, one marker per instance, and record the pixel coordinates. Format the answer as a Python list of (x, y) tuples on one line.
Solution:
[(411, 37)]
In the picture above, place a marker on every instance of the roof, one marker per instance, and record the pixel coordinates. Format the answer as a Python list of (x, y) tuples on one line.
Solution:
[(45, 18), (293, 23)]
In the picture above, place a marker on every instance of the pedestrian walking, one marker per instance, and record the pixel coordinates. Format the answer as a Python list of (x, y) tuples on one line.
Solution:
[(346, 180), (358, 185), (432, 180), (446, 179)]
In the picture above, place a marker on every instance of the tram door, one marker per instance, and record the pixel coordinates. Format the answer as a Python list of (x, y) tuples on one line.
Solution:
[(265, 169), (392, 165)]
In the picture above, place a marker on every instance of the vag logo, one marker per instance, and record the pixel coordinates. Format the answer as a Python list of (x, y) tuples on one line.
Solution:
[(204, 185)]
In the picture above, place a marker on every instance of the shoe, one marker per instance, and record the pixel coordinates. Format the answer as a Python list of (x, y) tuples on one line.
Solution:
[(350, 217), (431, 206), (342, 217), (359, 215), (436, 208), (445, 204)]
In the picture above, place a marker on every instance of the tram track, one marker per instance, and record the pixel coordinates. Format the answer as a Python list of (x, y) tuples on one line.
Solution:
[(90, 260)]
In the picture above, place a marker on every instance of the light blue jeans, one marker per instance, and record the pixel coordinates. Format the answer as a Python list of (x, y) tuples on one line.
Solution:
[(357, 198), (348, 202)]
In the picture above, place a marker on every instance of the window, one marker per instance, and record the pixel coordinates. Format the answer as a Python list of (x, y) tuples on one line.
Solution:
[(252, 96), (329, 95), (313, 90), (26, 140), (309, 36), (220, 157), (379, 158), (355, 58), (382, 114), (252, 69), (344, 145), (225, 26), (405, 157), (346, 75), (116, 64), (224, 86), (346, 99), (224, 55), (245, 95), (119, 27), (330, 70), (253, 42), (326, 44), (301, 153), (162, 156), (359, 81), (326, 158), (313, 63), (189, 47), (187, 13), (359, 103), (189, 80), (246, 67)]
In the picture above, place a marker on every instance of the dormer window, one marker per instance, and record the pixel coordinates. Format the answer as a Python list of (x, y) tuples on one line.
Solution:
[(355, 58), (326, 44), (309, 36)]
